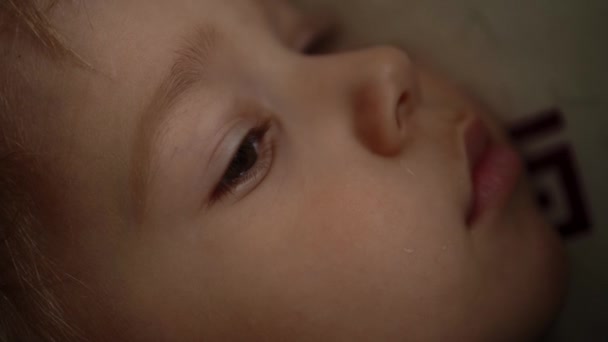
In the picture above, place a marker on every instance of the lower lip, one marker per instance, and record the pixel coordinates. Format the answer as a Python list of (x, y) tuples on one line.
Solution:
[(494, 177)]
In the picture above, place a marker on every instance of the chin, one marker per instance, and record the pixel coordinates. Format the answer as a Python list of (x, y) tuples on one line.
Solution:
[(543, 267)]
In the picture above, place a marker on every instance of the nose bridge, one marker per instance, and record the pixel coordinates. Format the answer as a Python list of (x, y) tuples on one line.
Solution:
[(385, 65), (379, 88)]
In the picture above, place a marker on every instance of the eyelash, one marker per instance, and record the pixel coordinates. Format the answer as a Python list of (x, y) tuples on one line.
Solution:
[(264, 150)]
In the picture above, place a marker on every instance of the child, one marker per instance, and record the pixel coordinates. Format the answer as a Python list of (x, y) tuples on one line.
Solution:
[(183, 171)]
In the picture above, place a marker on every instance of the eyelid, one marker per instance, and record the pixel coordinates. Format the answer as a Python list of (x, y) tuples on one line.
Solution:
[(302, 38), (312, 30), (228, 151)]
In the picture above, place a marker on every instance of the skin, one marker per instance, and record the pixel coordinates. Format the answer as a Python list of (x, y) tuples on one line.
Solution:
[(355, 230)]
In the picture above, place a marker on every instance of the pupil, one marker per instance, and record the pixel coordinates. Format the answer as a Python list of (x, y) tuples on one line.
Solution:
[(249, 156), (245, 159)]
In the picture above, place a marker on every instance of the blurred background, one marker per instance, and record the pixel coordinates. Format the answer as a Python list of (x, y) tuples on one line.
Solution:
[(541, 65)]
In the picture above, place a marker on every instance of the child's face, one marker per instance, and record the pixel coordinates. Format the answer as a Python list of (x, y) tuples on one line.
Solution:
[(345, 216)]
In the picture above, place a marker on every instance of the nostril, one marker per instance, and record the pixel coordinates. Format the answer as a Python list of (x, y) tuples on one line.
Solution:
[(402, 107), (404, 99)]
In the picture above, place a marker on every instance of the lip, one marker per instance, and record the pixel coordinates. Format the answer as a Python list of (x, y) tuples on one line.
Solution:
[(495, 169)]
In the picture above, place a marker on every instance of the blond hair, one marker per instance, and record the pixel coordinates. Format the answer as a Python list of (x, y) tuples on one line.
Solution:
[(27, 16), (29, 310)]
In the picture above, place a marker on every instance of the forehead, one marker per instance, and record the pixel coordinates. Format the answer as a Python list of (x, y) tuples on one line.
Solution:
[(93, 27), (130, 44)]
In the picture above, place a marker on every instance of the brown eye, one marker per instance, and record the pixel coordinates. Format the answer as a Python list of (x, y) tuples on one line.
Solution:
[(244, 159), (251, 161)]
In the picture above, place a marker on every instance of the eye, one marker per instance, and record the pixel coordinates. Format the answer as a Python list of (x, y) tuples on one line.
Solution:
[(318, 36), (318, 42), (249, 164)]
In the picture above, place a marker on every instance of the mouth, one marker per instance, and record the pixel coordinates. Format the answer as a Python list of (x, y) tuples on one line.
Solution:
[(494, 168)]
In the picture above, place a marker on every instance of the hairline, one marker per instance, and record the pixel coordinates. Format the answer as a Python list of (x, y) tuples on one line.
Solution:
[(37, 312)]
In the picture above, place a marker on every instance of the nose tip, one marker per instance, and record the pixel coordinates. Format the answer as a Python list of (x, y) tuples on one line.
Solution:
[(384, 99)]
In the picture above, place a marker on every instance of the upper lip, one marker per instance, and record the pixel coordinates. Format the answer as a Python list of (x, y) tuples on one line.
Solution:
[(477, 141)]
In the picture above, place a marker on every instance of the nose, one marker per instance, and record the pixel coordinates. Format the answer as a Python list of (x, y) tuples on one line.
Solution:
[(383, 95)]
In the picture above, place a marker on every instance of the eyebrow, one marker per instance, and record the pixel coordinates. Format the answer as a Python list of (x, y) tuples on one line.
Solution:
[(186, 72)]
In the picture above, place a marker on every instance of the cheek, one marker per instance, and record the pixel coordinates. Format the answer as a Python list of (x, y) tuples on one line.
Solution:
[(334, 253), (388, 233), (350, 250)]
